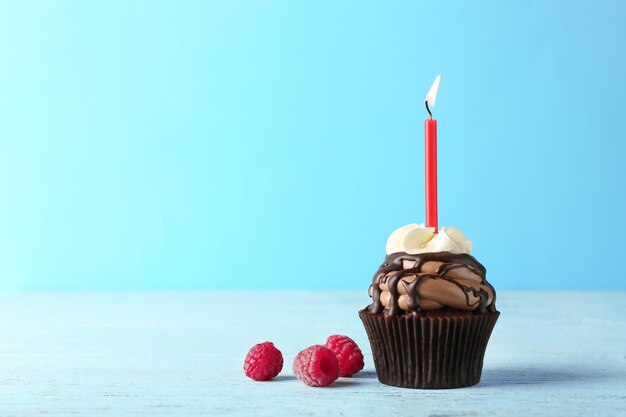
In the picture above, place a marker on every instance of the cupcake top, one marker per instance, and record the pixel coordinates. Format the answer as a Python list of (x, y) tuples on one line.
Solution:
[(424, 270)]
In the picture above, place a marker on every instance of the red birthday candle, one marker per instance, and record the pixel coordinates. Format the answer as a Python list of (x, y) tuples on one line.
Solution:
[(430, 155)]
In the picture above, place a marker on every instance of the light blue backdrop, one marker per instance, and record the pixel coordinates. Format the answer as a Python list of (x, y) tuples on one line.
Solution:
[(269, 144)]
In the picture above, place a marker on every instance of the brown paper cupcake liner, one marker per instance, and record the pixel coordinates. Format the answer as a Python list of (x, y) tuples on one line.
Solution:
[(429, 351)]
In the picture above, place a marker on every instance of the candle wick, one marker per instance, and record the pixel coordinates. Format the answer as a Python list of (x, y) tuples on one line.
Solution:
[(427, 109)]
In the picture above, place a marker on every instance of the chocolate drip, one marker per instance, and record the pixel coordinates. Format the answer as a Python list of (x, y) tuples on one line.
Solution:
[(392, 271)]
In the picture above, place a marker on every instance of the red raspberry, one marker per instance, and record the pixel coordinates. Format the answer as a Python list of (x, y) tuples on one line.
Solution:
[(316, 366), (348, 353), (263, 362)]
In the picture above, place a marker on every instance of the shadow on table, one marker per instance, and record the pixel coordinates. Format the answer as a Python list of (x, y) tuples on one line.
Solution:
[(496, 377), (284, 378), (340, 383), (536, 376), (365, 375)]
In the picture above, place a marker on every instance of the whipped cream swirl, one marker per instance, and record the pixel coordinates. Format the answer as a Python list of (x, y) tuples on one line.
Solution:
[(415, 238)]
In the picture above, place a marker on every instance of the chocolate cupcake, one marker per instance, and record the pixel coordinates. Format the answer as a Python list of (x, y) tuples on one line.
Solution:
[(432, 310)]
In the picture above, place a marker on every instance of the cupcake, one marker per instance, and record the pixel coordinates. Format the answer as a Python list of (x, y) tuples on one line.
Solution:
[(432, 310)]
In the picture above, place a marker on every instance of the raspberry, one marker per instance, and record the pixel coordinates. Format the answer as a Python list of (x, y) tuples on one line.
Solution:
[(316, 366), (263, 362), (348, 353)]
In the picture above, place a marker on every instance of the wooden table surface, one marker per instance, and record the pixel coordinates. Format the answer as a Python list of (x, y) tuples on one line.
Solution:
[(181, 353)]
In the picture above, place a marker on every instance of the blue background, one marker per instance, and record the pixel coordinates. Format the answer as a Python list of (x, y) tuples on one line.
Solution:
[(188, 145)]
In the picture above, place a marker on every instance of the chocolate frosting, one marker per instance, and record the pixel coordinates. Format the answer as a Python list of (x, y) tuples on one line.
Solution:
[(408, 284)]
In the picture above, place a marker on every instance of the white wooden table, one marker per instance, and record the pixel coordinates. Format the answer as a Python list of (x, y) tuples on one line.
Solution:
[(130, 354)]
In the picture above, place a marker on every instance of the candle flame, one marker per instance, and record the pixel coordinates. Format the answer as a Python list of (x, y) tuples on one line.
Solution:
[(431, 97)]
